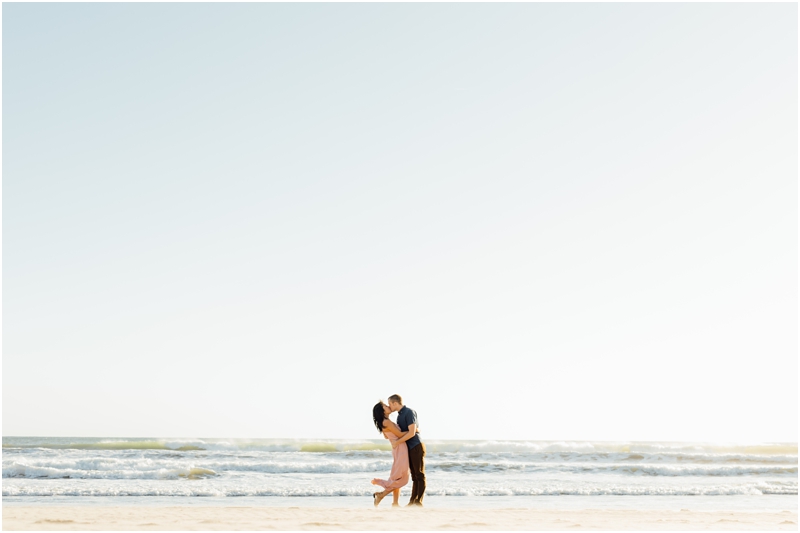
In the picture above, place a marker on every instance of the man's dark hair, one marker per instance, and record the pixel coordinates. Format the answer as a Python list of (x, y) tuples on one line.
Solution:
[(396, 398)]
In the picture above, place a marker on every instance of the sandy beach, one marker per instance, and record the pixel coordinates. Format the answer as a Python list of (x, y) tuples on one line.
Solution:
[(41, 517)]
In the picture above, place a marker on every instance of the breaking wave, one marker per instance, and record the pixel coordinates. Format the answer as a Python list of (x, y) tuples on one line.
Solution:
[(433, 446), (150, 470)]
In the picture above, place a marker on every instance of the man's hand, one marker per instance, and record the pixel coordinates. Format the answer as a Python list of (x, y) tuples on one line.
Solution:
[(395, 443), (412, 430)]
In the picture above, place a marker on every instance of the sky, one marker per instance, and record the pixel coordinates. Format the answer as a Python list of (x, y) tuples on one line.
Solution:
[(532, 221)]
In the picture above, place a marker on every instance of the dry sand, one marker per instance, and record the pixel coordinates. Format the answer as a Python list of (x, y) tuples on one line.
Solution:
[(315, 518)]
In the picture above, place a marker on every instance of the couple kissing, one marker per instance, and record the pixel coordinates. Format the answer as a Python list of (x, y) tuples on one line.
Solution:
[(408, 451)]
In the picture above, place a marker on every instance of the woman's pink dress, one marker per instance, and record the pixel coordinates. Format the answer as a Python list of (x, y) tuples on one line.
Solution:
[(400, 473)]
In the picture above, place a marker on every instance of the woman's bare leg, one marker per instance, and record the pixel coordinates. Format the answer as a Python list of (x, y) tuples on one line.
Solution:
[(381, 495)]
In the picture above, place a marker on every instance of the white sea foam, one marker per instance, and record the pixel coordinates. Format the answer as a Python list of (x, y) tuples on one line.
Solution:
[(16, 470), (174, 468), (552, 490), (227, 467)]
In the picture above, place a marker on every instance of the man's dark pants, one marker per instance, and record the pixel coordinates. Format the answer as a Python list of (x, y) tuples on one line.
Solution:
[(416, 462)]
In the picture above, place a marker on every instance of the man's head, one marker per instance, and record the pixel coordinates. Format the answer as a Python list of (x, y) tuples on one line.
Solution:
[(395, 402)]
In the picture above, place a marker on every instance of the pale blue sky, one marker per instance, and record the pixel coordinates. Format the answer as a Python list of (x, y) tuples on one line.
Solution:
[(534, 221)]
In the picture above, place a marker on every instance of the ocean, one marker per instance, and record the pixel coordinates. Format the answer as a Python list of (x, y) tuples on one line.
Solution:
[(548, 474)]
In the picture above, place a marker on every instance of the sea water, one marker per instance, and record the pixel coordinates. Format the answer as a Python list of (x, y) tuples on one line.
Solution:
[(286, 472)]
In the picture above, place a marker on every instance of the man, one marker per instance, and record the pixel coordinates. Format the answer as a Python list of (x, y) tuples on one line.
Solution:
[(407, 420)]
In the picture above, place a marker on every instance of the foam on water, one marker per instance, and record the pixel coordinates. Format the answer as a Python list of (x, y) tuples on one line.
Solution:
[(148, 467), (752, 489), (172, 468)]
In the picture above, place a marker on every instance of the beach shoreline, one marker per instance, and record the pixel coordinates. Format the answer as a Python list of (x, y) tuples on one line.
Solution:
[(115, 518)]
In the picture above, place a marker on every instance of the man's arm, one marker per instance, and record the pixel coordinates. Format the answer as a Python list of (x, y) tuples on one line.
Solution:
[(412, 430)]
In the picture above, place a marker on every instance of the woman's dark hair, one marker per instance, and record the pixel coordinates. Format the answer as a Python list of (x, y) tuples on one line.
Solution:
[(378, 416)]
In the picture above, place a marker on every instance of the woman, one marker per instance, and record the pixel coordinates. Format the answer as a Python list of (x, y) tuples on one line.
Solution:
[(399, 475)]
